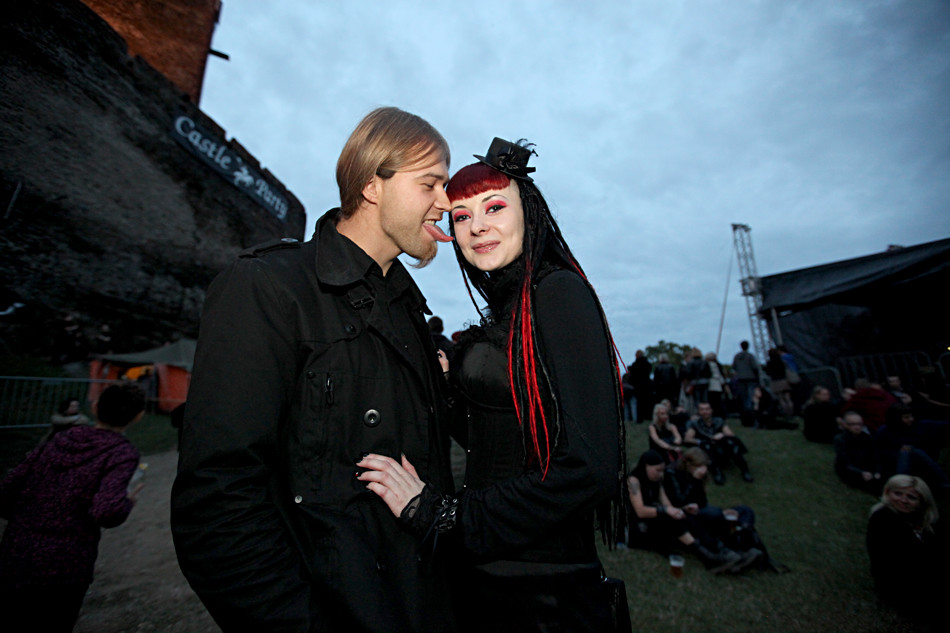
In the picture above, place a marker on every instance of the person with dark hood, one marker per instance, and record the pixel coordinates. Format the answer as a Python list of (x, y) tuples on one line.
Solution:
[(56, 503), (538, 408)]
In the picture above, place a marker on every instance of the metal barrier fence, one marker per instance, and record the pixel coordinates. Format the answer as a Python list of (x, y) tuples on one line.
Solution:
[(943, 364), (827, 377), (28, 402), (877, 367)]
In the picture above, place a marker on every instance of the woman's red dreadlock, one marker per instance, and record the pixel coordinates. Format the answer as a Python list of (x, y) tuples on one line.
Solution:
[(522, 322)]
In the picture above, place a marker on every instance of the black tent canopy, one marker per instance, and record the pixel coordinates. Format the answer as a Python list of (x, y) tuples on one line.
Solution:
[(881, 303)]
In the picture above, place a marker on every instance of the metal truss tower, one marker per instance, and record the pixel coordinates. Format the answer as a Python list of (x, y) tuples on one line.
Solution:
[(751, 290)]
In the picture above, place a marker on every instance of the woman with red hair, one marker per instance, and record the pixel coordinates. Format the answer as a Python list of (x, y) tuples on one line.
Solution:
[(538, 408)]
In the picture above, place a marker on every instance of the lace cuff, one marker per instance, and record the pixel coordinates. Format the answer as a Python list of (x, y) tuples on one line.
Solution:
[(429, 512)]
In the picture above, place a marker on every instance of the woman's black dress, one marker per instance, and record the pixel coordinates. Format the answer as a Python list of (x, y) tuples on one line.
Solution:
[(526, 539)]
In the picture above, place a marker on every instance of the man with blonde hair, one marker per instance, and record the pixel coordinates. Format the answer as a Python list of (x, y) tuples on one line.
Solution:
[(311, 355)]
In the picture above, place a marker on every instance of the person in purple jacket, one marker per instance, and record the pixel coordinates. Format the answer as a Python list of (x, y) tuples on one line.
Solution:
[(56, 502)]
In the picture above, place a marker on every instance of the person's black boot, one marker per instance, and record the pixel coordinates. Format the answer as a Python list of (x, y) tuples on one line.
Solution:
[(743, 466), (746, 559), (718, 477), (716, 562)]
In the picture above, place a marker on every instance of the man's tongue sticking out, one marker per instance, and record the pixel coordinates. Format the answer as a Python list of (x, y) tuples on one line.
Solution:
[(437, 233)]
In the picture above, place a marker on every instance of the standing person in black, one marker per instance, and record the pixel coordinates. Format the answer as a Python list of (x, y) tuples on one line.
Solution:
[(747, 372), (776, 370), (666, 384), (717, 390), (695, 375), (642, 386), (309, 356), (629, 397), (439, 339), (538, 406)]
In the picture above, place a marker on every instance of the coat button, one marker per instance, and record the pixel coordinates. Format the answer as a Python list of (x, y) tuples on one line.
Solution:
[(298, 499), (371, 418), (310, 374), (350, 328)]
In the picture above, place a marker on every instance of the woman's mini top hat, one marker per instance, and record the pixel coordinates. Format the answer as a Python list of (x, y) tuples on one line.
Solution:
[(509, 158)]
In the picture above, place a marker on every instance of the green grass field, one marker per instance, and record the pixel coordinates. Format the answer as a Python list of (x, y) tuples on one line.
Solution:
[(808, 519)]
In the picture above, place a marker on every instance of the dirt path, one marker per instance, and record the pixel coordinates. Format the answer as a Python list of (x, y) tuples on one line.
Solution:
[(138, 586)]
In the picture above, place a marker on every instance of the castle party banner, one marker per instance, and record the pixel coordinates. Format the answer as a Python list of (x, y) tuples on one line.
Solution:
[(214, 152)]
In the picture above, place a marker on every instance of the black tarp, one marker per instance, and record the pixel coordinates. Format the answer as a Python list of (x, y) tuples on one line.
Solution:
[(882, 303)]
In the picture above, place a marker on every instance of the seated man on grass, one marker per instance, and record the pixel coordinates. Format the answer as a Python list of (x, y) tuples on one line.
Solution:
[(715, 437)]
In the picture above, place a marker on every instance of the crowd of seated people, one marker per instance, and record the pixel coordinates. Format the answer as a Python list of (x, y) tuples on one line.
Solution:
[(896, 457), (668, 509), (865, 459), (654, 522), (886, 440)]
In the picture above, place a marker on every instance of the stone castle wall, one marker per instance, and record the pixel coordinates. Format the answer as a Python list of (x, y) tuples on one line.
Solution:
[(103, 213)]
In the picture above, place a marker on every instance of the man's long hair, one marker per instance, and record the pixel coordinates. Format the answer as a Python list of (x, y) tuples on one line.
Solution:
[(385, 141)]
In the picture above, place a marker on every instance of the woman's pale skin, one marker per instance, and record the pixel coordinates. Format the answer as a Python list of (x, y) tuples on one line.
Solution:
[(489, 231), (904, 500), (489, 227)]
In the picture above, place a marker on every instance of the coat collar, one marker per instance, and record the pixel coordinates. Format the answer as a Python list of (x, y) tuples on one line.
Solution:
[(341, 262)]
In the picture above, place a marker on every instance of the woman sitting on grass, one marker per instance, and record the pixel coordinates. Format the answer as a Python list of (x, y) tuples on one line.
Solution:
[(908, 555), (665, 438), (656, 523), (820, 416)]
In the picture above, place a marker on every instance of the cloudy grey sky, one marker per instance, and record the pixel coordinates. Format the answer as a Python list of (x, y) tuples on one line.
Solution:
[(824, 125)]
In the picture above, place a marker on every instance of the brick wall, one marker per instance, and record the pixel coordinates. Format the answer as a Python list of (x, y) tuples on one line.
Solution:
[(172, 35)]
